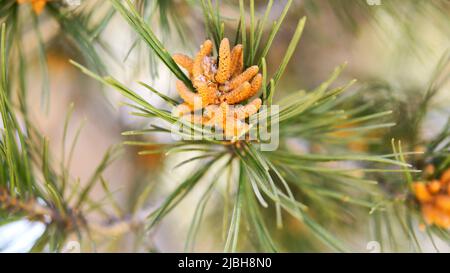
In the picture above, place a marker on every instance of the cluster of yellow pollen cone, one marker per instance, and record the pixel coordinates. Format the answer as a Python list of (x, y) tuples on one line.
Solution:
[(221, 84), (434, 198), (37, 5)]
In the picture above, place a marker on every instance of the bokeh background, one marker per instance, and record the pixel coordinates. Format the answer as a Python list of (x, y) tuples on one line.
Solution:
[(391, 47)]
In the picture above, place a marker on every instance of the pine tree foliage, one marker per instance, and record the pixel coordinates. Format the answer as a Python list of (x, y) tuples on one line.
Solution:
[(345, 157)]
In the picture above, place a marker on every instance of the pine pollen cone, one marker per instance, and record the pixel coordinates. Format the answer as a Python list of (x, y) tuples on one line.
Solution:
[(434, 199), (219, 83), (37, 5)]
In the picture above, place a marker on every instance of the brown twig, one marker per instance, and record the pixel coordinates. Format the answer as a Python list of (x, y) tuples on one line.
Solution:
[(71, 220)]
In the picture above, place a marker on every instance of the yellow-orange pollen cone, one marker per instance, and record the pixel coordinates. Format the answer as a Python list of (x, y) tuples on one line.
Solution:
[(221, 84), (37, 5), (434, 198)]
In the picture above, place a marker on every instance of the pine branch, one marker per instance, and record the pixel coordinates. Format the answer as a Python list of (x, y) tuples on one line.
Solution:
[(309, 115)]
